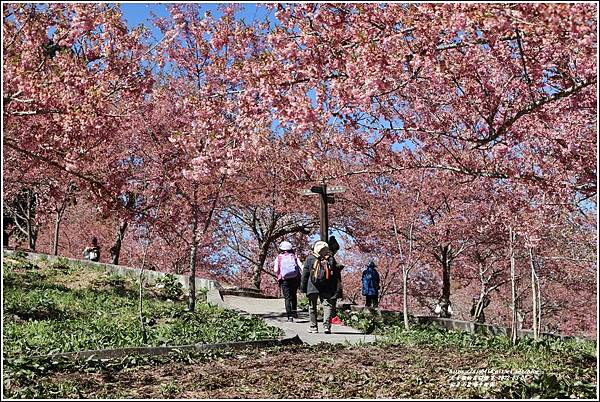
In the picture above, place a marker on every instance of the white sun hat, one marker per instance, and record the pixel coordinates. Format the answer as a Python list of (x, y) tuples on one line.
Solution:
[(285, 246)]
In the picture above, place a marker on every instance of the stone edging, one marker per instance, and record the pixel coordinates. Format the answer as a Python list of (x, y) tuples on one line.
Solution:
[(243, 292), (105, 354)]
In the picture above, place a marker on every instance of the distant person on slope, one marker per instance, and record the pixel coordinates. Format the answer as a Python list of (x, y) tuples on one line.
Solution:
[(370, 285), (443, 309), (92, 252), (287, 269)]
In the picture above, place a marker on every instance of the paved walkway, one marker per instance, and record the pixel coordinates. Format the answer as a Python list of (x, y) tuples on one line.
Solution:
[(273, 312)]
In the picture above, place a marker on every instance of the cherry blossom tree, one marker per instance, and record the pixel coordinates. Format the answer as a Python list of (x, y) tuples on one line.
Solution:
[(465, 134)]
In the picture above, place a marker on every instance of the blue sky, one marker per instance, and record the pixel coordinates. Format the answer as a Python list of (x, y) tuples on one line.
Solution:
[(138, 12)]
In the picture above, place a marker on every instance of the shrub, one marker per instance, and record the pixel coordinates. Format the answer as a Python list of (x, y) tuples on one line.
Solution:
[(62, 264), (201, 295), (19, 264), (359, 320), (112, 280), (303, 303), (21, 255), (170, 287), (548, 386)]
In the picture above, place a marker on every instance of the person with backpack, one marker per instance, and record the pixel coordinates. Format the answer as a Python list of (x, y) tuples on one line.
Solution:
[(92, 252), (334, 247), (370, 285), (320, 278), (287, 270)]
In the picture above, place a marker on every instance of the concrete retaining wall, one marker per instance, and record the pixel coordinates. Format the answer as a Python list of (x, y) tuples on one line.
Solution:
[(149, 276)]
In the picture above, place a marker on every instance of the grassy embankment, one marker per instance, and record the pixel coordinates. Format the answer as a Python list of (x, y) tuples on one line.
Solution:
[(65, 308)]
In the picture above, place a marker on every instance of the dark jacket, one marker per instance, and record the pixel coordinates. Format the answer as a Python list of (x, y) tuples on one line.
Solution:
[(370, 282), (327, 291)]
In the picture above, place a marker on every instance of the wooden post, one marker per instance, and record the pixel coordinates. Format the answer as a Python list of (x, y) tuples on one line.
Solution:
[(324, 217), (326, 197)]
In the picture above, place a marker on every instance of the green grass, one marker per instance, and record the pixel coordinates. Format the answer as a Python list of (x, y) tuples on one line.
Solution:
[(567, 368), (57, 308), (443, 338)]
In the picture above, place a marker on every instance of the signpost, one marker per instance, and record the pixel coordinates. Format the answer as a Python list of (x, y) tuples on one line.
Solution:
[(326, 198)]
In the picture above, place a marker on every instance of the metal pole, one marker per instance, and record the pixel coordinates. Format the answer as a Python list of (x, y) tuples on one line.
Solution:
[(324, 222)]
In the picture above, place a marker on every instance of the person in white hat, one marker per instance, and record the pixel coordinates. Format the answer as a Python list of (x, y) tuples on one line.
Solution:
[(320, 278), (287, 270)]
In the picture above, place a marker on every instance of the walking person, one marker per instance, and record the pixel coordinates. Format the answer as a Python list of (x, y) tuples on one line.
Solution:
[(92, 252), (370, 285), (287, 269), (334, 247), (443, 308), (320, 278)]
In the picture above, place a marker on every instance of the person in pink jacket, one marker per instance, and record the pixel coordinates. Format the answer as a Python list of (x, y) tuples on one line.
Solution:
[(287, 268)]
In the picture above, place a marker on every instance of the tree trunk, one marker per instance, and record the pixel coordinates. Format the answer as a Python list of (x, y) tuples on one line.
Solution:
[(31, 229), (5, 237), (405, 297), (60, 211), (534, 297), (141, 292), (513, 287), (31, 237), (7, 221), (405, 269), (270, 236), (56, 231), (256, 276), (193, 252), (260, 265), (194, 247), (115, 250), (192, 294), (479, 309), (482, 293), (179, 266), (445, 300), (141, 306), (539, 304)]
